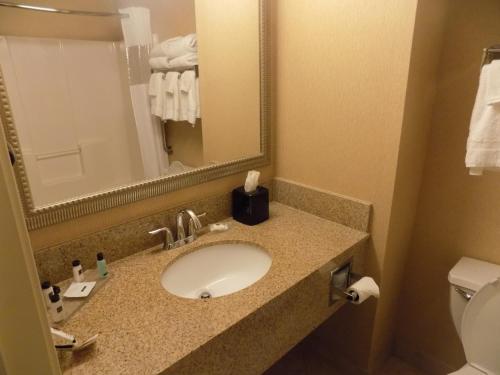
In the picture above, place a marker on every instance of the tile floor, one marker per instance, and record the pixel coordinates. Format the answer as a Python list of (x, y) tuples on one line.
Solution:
[(303, 360)]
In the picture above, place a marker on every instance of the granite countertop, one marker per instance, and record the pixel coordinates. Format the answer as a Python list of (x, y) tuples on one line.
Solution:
[(144, 330)]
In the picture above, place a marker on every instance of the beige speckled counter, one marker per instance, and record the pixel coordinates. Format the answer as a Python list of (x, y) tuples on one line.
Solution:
[(145, 330)]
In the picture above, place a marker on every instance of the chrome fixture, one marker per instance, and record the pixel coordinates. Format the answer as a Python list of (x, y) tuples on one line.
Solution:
[(168, 238), (467, 295), (489, 54), (39, 8), (194, 228), (205, 295)]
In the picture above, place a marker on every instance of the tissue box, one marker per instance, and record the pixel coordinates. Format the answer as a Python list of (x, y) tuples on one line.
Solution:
[(251, 208)]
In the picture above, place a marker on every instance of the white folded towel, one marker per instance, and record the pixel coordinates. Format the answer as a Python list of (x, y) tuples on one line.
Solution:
[(156, 94), (171, 96), (188, 103), (483, 144), (175, 47), (158, 63), (184, 61)]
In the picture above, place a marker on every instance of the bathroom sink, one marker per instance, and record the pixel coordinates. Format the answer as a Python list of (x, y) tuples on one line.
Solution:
[(216, 270)]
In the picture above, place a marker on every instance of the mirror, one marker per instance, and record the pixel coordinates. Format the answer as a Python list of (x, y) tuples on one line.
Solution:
[(108, 102)]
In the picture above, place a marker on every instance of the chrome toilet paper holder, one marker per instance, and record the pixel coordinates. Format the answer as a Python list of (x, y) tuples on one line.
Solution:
[(341, 278)]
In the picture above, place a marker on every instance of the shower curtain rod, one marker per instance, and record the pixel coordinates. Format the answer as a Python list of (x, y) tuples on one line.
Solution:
[(38, 8)]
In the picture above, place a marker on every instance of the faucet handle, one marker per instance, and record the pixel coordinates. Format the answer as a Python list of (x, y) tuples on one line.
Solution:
[(168, 239), (181, 233)]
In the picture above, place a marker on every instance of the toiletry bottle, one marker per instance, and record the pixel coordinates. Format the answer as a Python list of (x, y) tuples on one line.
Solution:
[(56, 308), (102, 268), (46, 290), (56, 289), (78, 271)]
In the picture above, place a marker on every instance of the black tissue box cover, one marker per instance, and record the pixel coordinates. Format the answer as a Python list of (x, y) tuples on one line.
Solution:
[(251, 208)]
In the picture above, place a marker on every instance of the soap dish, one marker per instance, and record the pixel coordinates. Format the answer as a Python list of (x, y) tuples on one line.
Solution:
[(79, 290)]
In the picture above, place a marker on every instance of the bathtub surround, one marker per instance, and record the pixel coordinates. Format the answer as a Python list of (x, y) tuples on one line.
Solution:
[(68, 150)]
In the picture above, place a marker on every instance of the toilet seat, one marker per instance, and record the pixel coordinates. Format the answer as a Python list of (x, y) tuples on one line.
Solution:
[(481, 331)]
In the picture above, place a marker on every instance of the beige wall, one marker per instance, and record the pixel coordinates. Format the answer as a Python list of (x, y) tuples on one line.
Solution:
[(458, 214), (186, 142), (169, 18), (46, 25), (228, 47), (343, 112)]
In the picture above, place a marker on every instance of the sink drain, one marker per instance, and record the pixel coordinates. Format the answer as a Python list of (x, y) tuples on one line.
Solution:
[(205, 295)]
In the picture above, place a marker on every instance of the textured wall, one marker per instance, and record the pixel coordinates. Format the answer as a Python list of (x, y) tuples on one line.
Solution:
[(342, 69), (355, 83), (458, 215)]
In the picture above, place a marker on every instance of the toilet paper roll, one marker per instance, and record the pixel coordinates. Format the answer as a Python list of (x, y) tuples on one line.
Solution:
[(363, 289)]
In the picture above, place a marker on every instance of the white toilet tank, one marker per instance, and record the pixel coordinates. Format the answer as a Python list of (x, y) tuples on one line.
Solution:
[(466, 278)]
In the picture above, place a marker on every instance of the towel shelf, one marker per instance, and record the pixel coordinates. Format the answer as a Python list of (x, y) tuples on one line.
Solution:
[(491, 53), (179, 69)]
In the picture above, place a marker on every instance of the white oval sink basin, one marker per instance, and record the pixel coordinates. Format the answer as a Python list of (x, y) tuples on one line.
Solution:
[(216, 270)]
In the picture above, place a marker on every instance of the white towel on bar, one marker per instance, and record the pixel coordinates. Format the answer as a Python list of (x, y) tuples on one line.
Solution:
[(156, 94), (175, 47), (171, 96), (184, 61), (188, 103), (493, 83), (198, 107), (483, 144)]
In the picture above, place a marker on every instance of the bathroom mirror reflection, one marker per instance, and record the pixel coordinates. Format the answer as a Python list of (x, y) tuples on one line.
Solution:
[(133, 91)]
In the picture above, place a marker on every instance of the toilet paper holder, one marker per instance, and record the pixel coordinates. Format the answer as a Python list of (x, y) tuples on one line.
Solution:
[(341, 279)]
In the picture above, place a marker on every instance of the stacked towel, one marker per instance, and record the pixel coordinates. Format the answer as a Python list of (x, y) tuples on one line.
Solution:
[(483, 144), (178, 52), (184, 61), (175, 47)]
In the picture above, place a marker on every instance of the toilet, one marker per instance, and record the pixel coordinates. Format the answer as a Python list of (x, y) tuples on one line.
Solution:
[(475, 309)]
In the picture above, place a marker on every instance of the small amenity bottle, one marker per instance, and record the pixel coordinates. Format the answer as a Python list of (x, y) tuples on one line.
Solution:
[(46, 290), (78, 271), (102, 268), (56, 308)]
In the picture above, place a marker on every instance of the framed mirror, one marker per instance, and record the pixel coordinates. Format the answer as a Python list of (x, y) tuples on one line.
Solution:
[(106, 103)]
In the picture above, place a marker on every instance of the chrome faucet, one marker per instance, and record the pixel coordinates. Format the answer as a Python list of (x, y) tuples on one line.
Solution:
[(168, 238), (193, 227)]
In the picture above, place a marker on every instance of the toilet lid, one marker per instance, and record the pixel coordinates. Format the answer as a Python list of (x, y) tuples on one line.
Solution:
[(481, 328)]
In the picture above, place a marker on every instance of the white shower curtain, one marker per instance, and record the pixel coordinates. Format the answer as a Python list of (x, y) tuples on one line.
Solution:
[(137, 33)]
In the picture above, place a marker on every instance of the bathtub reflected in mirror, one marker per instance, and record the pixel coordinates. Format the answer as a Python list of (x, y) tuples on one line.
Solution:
[(141, 91)]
